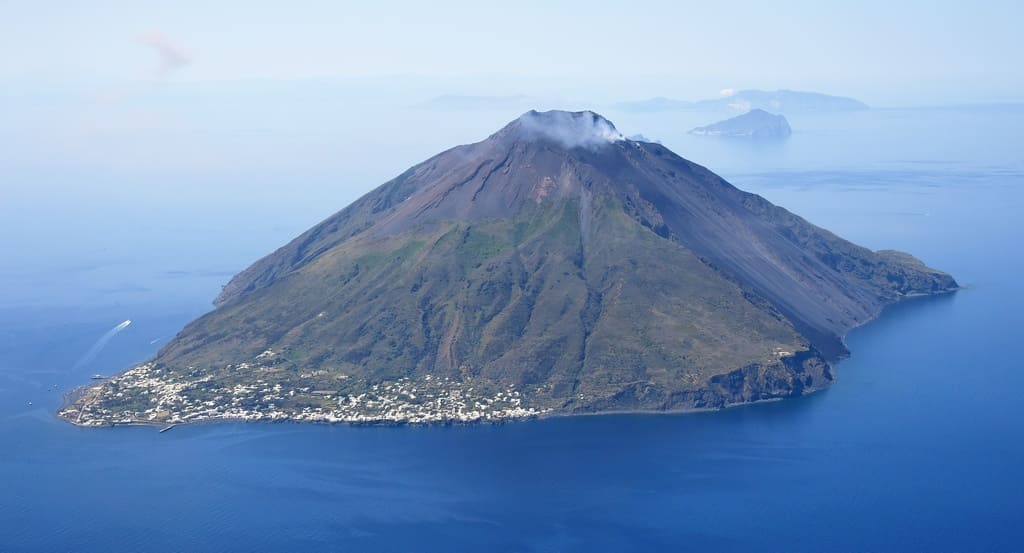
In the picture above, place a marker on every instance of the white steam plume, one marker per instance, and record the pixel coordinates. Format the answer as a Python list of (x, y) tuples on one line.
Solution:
[(570, 129)]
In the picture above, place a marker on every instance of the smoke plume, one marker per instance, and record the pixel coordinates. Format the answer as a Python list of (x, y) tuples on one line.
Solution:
[(584, 129)]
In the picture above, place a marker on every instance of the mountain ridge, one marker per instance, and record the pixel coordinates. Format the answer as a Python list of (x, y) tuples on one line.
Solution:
[(780, 101), (555, 260)]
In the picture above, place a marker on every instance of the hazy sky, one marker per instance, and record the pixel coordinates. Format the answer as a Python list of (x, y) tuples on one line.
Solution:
[(882, 51), (206, 133), (234, 87)]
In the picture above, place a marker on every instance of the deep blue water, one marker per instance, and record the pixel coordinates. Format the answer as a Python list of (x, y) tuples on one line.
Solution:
[(918, 446)]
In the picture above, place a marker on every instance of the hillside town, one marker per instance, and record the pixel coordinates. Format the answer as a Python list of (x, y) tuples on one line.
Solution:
[(148, 395)]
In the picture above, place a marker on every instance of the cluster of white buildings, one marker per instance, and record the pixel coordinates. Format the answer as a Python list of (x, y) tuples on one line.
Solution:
[(144, 395)]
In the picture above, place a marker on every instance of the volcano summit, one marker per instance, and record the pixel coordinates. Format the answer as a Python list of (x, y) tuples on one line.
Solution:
[(553, 268)]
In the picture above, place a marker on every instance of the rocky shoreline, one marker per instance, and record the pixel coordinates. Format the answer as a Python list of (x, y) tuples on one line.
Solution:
[(793, 376)]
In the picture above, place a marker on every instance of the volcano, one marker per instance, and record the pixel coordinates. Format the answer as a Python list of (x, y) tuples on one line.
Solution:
[(552, 268)]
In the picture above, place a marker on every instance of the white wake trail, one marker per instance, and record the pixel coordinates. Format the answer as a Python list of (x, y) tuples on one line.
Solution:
[(99, 345)]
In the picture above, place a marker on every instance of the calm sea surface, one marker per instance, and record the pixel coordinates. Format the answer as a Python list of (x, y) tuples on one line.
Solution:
[(919, 446)]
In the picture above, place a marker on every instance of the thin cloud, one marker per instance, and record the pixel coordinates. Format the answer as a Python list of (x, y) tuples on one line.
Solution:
[(171, 55)]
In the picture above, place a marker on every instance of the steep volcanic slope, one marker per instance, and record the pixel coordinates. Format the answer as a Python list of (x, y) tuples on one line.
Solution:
[(824, 284), (555, 259)]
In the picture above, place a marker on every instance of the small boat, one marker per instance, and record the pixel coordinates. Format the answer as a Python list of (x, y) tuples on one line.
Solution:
[(97, 377)]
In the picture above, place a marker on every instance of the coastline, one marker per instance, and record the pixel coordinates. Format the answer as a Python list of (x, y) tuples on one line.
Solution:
[(163, 426), (903, 300), (72, 395)]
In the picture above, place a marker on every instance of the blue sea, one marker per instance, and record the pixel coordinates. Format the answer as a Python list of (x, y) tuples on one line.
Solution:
[(918, 447)]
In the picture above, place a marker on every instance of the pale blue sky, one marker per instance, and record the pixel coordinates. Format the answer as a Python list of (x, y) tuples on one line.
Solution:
[(216, 130), (885, 52), (208, 88)]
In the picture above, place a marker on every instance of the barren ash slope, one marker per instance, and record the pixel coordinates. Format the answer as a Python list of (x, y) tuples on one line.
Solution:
[(553, 268)]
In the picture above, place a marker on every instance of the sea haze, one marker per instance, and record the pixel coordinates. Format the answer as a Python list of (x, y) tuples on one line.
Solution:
[(915, 448)]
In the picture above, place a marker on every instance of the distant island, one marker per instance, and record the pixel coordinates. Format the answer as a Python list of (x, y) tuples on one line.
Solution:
[(779, 101), (756, 123), (554, 268)]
